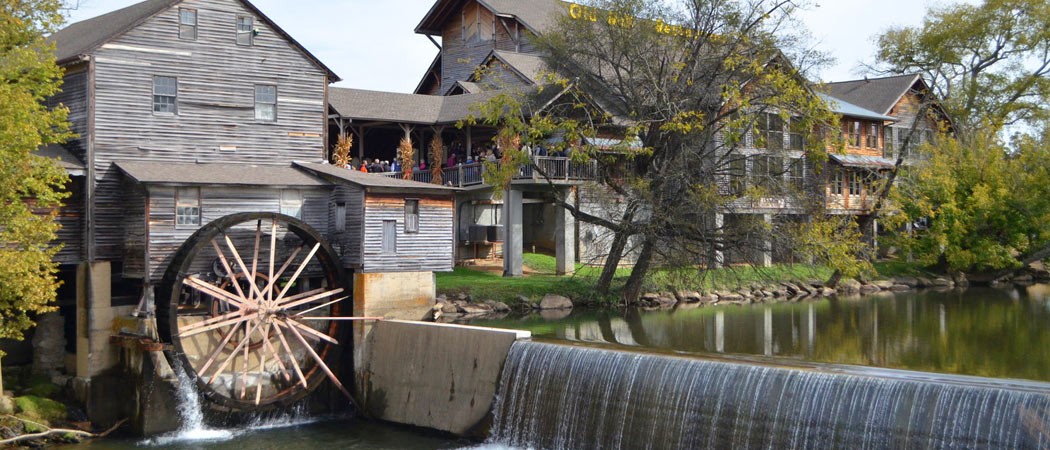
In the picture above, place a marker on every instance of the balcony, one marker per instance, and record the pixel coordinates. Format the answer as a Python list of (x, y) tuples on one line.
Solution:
[(560, 170)]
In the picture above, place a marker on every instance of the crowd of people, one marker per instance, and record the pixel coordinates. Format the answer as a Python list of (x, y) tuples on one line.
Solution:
[(456, 157)]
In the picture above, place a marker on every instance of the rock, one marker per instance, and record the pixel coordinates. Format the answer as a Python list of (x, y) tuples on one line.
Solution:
[(667, 298), (900, 288), (827, 292), (441, 298), (690, 296), (708, 299), (7, 406), (780, 292), (803, 287), (523, 300), (1022, 278), (942, 282), (727, 296), (884, 285), (49, 343), (449, 308), (689, 305), (553, 301), (473, 308), (923, 282), (791, 288), (907, 281), (816, 283), (849, 285), (555, 314), (870, 288), (463, 297), (498, 306), (960, 279)]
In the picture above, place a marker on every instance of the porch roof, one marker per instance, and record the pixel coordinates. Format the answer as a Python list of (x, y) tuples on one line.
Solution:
[(863, 162), (372, 182), (63, 158), (165, 173)]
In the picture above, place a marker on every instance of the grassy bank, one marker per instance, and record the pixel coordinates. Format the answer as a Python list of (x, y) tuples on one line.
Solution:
[(540, 279)]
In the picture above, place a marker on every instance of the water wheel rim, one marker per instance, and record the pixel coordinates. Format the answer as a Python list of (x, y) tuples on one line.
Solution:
[(175, 280)]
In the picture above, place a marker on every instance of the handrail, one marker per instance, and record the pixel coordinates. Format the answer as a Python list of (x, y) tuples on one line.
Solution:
[(464, 175)]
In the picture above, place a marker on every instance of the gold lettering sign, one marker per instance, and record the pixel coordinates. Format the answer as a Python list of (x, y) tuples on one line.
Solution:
[(581, 12)]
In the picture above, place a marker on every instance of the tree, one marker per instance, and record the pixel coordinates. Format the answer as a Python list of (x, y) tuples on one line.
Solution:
[(990, 66), (989, 63), (683, 83), (30, 186)]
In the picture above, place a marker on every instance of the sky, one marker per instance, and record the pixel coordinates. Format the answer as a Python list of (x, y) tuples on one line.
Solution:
[(371, 44)]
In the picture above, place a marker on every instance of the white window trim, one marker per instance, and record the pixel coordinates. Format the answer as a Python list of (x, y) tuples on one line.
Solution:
[(200, 209), (196, 24), (153, 93), (250, 32), (255, 103)]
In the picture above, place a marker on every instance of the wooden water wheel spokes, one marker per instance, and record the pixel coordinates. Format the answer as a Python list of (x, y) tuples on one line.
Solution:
[(270, 324)]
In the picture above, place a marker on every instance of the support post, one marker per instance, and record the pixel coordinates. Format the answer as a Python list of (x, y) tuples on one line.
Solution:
[(470, 143), (767, 244), (564, 241), (718, 260), (513, 260)]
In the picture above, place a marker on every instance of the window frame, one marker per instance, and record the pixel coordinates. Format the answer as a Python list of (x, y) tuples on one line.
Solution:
[(391, 238), (888, 142), (257, 103), (250, 33), (855, 184), (286, 202), (175, 97), (179, 203), (195, 26), (340, 217), (738, 175), (795, 134), (853, 133), (411, 223), (838, 181), (796, 173), (872, 133)]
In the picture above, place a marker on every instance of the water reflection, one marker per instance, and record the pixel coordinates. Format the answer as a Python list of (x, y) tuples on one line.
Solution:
[(980, 331)]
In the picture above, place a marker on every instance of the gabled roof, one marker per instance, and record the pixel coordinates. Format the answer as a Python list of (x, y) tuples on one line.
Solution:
[(81, 38), (536, 15), (376, 106), (372, 182), (875, 94), (850, 110), (63, 158), (527, 66), (165, 173), (434, 68)]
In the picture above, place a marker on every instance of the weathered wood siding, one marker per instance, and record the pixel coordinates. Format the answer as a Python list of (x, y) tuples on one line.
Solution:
[(349, 241), (74, 96), (135, 229), (428, 250), (217, 202), (71, 220), (216, 119), (460, 58)]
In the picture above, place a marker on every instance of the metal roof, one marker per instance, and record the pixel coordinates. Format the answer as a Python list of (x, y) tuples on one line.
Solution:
[(80, 38), (63, 158), (369, 181), (863, 162), (217, 174), (536, 15), (851, 110), (874, 94)]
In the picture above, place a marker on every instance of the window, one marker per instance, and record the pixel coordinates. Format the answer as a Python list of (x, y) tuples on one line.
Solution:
[(187, 207), (389, 237), (266, 103), (872, 138), (340, 217), (188, 24), (902, 135), (853, 133), (838, 179), (245, 30), (797, 172), (737, 172), (856, 183), (165, 95), (796, 136), (411, 216), (759, 169), (887, 143), (292, 203), (771, 132)]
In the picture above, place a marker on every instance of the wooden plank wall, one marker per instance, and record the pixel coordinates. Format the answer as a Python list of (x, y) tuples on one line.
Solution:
[(216, 80), (71, 220), (428, 250), (74, 96), (217, 202), (349, 241), (135, 231), (459, 59)]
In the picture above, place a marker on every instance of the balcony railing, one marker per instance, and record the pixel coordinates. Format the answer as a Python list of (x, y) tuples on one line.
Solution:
[(464, 175)]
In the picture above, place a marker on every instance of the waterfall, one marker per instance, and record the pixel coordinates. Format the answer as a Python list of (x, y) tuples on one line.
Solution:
[(189, 409), (568, 397)]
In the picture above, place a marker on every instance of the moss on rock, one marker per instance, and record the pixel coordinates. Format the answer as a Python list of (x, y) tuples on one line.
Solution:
[(40, 408)]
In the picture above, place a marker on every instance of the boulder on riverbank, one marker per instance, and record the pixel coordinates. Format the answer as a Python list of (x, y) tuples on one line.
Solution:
[(554, 301), (849, 286)]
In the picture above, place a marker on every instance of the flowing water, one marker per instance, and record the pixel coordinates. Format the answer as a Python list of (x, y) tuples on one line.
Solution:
[(570, 397)]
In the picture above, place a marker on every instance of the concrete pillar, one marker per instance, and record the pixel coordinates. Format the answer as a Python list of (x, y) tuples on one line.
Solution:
[(94, 319), (512, 233), (719, 258), (564, 241), (767, 245)]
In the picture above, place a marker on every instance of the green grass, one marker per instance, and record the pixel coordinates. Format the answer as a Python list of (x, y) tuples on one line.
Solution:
[(491, 286)]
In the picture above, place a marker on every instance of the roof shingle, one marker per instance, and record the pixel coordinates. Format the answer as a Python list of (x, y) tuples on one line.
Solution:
[(217, 174), (370, 181), (875, 94)]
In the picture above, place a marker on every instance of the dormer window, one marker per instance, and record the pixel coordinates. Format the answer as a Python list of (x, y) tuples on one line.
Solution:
[(188, 24), (245, 30)]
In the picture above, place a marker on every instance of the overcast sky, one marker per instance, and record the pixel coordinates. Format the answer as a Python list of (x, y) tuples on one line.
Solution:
[(371, 43)]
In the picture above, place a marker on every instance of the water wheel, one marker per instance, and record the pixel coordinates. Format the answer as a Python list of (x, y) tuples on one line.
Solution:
[(253, 305)]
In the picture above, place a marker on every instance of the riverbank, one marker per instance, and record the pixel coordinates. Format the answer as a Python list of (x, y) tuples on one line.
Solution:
[(483, 290)]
